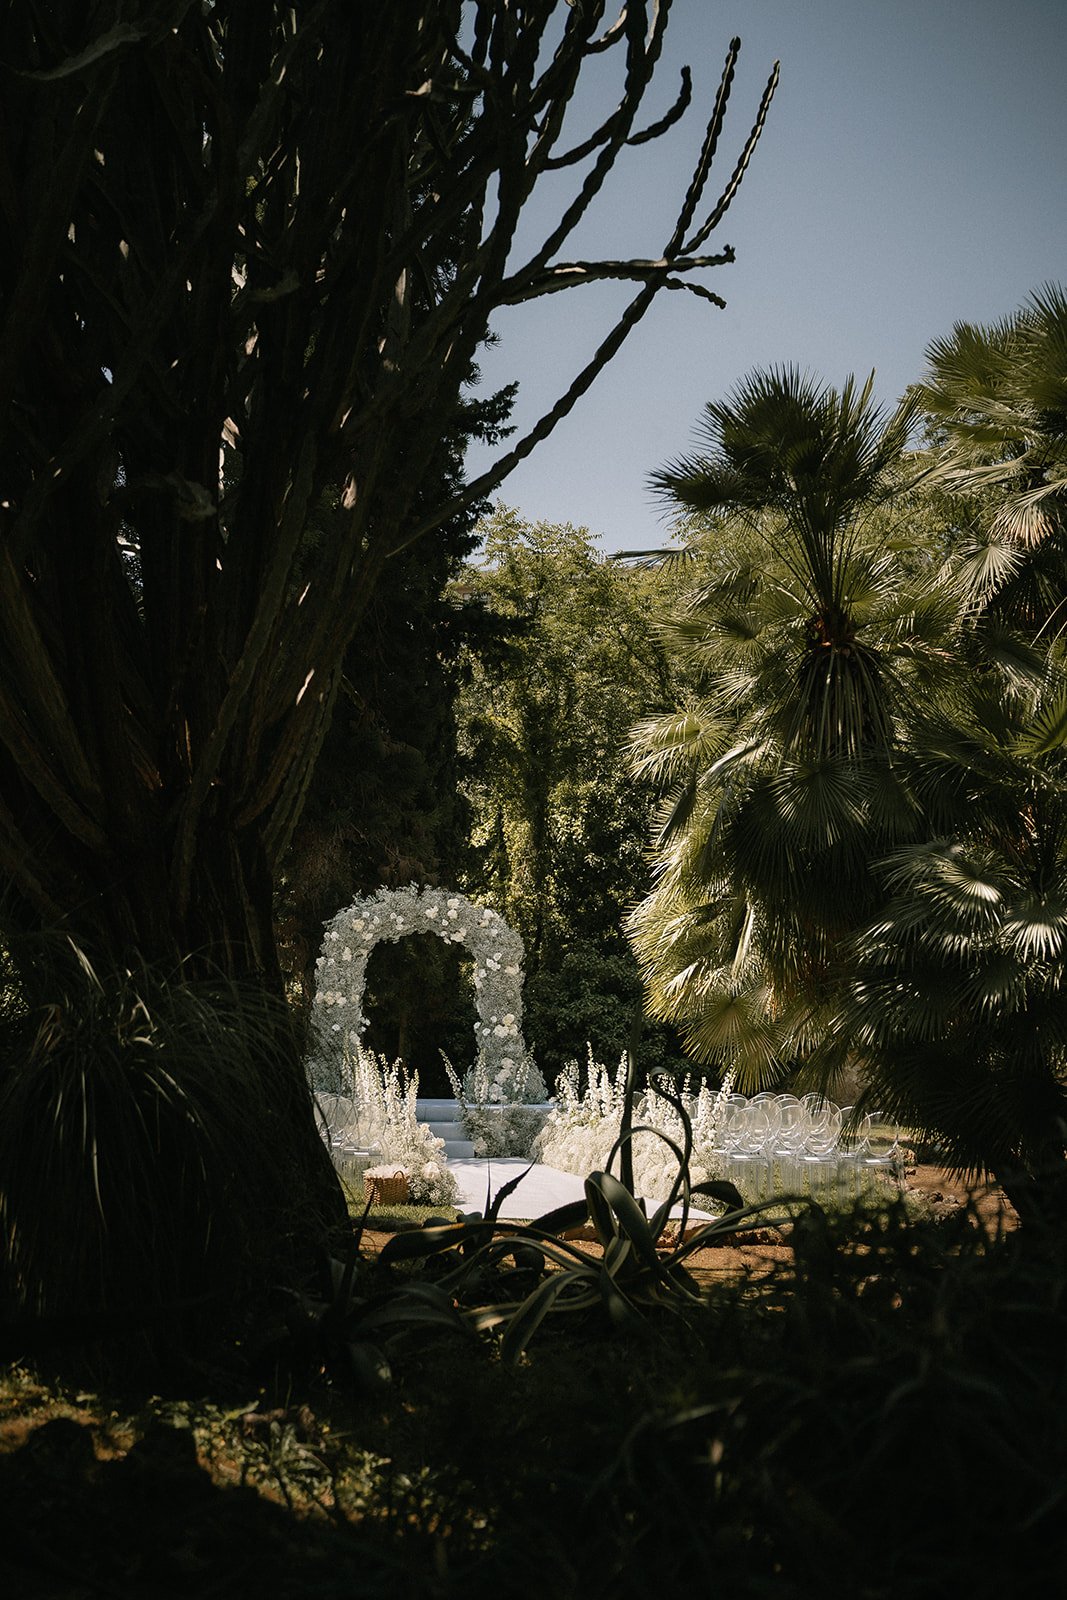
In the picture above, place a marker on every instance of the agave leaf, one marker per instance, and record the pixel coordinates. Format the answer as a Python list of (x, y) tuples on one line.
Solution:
[(600, 1212), (402, 1313), (369, 1366), (620, 1312), (536, 1307), (766, 1213), (572, 1215), (417, 1243), (616, 1256), (632, 1223), (483, 1319), (501, 1195), (557, 1250), (721, 1189), (417, 1303)]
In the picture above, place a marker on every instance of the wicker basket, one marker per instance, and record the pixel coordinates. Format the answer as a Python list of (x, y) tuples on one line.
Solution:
[(386, 1186)]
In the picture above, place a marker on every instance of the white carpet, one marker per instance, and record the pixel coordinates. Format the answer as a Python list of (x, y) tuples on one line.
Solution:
[(541, 1190)]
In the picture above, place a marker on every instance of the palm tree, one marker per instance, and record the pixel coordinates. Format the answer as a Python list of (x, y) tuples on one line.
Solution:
[(995, 400), (814, 631), (959, 990)]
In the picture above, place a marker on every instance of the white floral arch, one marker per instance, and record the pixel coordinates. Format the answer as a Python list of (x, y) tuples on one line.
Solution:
[(392, 914)]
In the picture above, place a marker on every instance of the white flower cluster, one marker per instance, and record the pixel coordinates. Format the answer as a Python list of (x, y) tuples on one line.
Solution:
[(392, 914), (376, 1112), (503, 1114), (432, 1185), (579, 1133)]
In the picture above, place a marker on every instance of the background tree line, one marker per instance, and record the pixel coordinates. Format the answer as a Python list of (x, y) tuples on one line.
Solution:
[(812, 772)]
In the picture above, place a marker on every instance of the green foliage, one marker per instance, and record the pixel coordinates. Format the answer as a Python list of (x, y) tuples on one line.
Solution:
[(640, 1270), (996, 403), (956, 998), (882, 1411), (383, 806), (558, 824), (810, 633), (861, 856)]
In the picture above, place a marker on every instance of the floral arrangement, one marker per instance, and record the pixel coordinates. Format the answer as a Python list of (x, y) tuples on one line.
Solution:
[(501, 1113), (581, 1129), (392, 914), (376, 1112)]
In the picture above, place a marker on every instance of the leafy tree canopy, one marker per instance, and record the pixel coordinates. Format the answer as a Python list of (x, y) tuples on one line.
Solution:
[(558, 823), (861, 859)]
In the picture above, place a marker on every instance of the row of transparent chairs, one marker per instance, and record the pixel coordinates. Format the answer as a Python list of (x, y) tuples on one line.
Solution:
[(780, 1144)]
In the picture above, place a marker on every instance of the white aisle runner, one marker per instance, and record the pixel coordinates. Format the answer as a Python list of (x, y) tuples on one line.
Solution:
[(541, 1190)]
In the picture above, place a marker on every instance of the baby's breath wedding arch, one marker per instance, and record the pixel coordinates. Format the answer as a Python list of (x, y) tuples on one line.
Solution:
[(392, 914)]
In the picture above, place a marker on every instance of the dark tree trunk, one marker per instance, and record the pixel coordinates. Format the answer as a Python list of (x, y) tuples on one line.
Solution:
[(250, 252)]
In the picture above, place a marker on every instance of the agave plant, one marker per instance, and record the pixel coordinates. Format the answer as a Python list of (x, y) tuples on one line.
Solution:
[(641, 1267)]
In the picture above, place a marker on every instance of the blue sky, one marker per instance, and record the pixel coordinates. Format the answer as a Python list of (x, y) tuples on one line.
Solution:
[(913, 173)]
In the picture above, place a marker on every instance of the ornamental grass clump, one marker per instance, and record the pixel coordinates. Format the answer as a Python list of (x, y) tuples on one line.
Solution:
[(124, 1131)]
